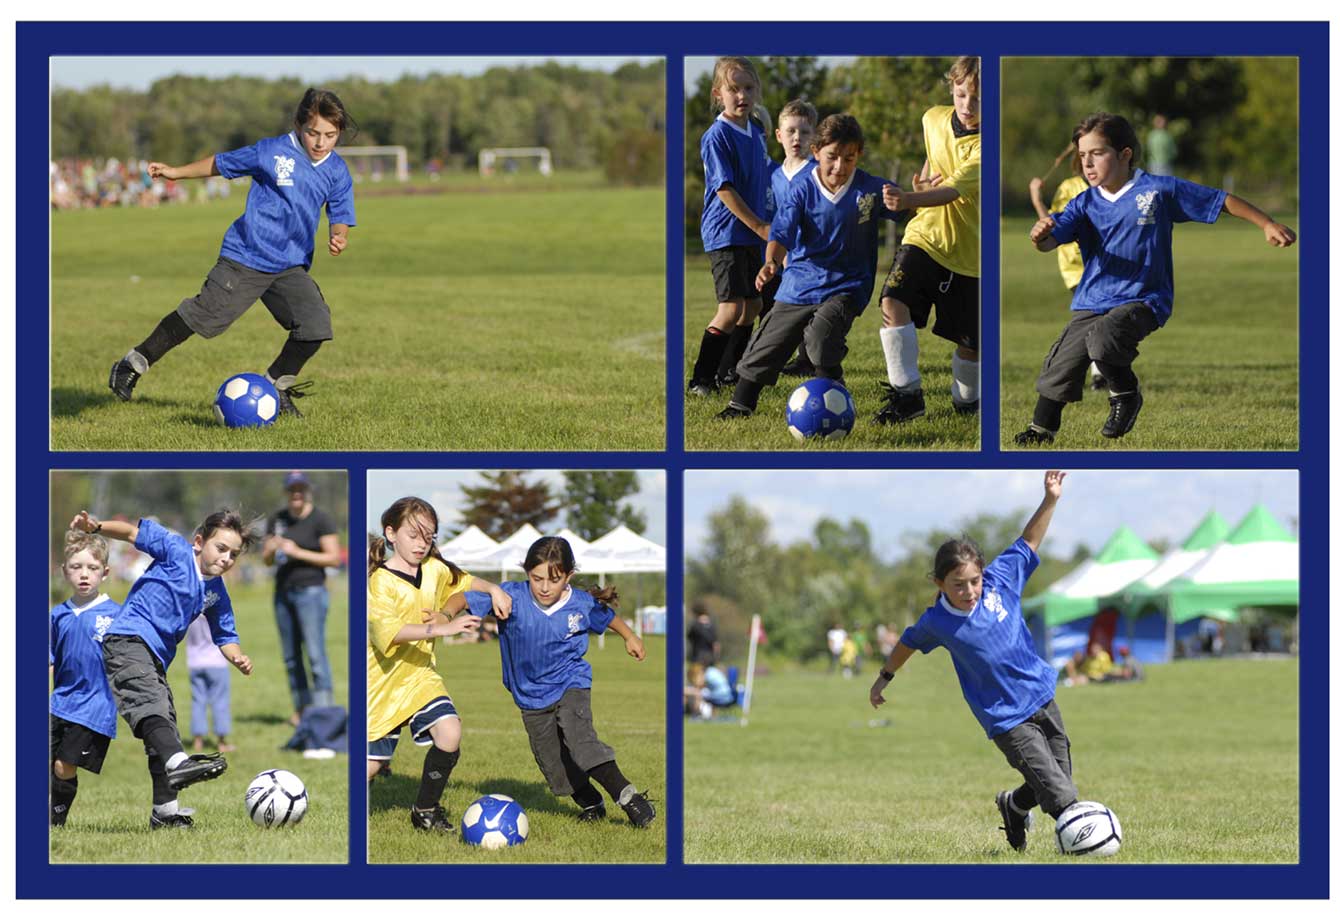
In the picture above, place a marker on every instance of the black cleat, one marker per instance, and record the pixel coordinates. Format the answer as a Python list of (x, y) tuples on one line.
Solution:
[(639, 810), (123, 378), (968, 408), (1016, 825), (800, 367), (170, 822), (733, 411), (434, 820), (900, 406), (201, 767), (1032, 437), (290, 392), (700, 388), (728, 379), (593, 813), (1124, 409)]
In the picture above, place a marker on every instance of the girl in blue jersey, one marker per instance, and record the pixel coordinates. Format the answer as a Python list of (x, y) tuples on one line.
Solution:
[(543, 642), (827, 229), (267, 252), (736, 173), (1123, 224), (83, 716), (184, 581), (1009, 688)]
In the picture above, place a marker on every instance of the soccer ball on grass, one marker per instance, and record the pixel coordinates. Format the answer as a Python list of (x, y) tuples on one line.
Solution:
[(1088, 828), (276, 797), (494, 822), (246, 400), (820, 408)]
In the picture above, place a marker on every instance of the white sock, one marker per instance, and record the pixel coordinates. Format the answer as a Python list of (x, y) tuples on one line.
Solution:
[(177, 759), (966, 375), (1014, 808), (900, 356), (138, 361), (627, 794), (166, 810)]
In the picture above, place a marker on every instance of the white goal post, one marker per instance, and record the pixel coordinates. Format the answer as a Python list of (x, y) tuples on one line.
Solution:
[(375, 154), (489, 157)]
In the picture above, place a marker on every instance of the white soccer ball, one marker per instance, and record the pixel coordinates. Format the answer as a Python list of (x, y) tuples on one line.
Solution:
[(276, 797), (820, 408), (1088, 828), (246, 400), (495, 822)]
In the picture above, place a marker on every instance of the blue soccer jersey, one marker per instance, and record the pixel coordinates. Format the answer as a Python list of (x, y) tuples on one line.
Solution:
[(278, 228), (1126, 239), (163, 602), (737, 157), (544, 651), (832, 240), (1003, 679), (81, 693)]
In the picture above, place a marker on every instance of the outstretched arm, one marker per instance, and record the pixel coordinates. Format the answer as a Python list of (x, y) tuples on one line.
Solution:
[(897, 657), (1277, 234), (112, 529), (1035, 195), (200, 169), (631, 642), (1036, 528)]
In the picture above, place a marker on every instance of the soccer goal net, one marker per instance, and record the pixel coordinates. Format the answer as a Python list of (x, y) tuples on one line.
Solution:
[(374, 164), (511, 159)]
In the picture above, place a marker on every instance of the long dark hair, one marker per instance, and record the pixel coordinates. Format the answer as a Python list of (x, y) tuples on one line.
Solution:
[(395, 517), (556, 553), (325, 103), (956, 552), (229, 519)]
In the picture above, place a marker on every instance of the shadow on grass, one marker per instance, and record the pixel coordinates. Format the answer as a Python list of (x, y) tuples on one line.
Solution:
[(533, 796), (398, 791), (69, 402)]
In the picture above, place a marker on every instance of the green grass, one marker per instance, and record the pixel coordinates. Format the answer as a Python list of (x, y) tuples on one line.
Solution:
[(109, 821), (1199, 762), (940, 429), (628, 702), (503, 320), (1221, 375)]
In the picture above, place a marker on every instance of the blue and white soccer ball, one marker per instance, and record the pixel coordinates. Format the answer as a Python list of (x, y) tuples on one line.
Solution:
[(276, 797), (246, 400), (820, 408), (1088, 828), (495, 822)]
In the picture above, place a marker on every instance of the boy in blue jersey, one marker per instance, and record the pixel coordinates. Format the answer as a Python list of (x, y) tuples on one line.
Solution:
[(1123, 224), (184, 581), (795, 132), (543, 642), (828, 231), (267, 252), (978, 619), (83, 716)]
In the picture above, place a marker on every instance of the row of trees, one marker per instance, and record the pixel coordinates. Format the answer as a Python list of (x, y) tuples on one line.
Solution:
[(588, 118), (591, 503), (834, 577)]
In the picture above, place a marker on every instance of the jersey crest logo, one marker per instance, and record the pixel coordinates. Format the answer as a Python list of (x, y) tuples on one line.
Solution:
[(574, 623), (1145, 203), (284, 169), (866, 205), (210, 599), (100, 626), (992, 602)]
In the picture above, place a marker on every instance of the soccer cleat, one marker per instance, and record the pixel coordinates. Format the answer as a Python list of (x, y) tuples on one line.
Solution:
[(123, 378), (200, 767), (434, 820), (699, 388), (1122, 414), (593, 813), (290, 392), (639, 810), (968, 408), (733, 411), (800, 367), (728, 379), (1016, 825), (900, 406), (176, 821), (1032, 437)]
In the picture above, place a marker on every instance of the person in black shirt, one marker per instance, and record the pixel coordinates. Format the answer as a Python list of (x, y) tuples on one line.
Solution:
[(702, 639)]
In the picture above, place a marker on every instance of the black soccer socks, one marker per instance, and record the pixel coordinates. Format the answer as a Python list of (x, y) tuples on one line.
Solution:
[(437, 766), (171, 331)]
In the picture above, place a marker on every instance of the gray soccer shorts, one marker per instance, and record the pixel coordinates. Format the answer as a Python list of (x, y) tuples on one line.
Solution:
[(1108, 338), (291, 296), (137, 680), (565, 725), (1040, 750), (821, 328)]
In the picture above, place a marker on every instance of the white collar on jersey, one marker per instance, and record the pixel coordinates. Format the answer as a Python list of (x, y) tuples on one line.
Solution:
[(833, 196), (558, 604), (726, 121), (293, 139), (100, 598), (950, 608), (1112, 196), (791, 174)]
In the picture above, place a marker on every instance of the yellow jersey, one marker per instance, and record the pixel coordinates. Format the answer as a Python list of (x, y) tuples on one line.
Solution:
[(403, 678), (1068, 258), (950, 233)]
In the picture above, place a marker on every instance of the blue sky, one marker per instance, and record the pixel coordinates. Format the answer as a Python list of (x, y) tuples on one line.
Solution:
[(441, 488), (138, 73), (1156, 504)]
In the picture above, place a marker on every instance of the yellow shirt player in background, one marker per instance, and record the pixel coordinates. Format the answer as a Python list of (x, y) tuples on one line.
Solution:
[(416, 596), (938, 261)]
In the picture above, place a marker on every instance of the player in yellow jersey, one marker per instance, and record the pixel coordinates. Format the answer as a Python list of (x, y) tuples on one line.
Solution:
[(414, 597), (937, 263)]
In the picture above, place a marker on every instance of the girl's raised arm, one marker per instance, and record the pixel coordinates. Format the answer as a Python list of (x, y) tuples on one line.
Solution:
[(1036, 528), (1277, 234), (113, 529), (200, 169)]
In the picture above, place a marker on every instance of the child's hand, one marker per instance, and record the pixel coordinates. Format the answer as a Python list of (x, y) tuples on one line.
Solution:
[(877, 693), (633, 645), (893, 197), (765, 274), (241, 662), (1042, 230), (1278, 235), (161, 171), (922, 183), (1052, 483), (465, 623), (85, 522), (502, 603), (337, 244)]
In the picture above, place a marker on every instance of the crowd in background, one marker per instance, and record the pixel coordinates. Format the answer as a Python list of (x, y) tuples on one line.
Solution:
[(86, 183)]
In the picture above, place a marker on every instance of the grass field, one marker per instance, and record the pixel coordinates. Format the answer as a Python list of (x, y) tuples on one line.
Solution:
[(1199, 762), (1221, 375), (628, 702), (109, 821), (483, 320), (940, 429)]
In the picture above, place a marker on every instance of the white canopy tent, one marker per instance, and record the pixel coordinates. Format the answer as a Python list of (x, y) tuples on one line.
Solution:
[(469, 547)]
